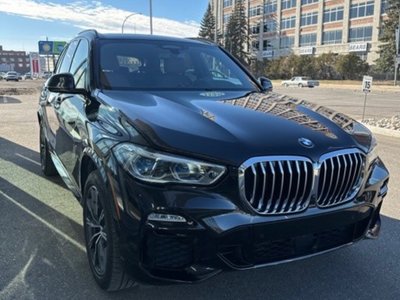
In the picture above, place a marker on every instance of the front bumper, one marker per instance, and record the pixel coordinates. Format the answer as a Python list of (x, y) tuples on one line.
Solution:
[(222, 234)]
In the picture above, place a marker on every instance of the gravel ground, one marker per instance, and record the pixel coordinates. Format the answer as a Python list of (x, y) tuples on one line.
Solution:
[(388, 123)]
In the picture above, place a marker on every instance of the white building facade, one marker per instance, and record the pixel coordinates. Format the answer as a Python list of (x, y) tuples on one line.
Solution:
[(309, 27)]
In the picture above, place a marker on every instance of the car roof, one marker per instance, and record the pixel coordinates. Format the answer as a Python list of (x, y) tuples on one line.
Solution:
[(92, 34)]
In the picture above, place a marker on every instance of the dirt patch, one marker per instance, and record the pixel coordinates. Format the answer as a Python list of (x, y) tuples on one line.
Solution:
[(18, 91)]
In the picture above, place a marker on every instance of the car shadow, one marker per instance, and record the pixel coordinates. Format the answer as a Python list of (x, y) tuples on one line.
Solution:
[(8, 100), (25, 158)]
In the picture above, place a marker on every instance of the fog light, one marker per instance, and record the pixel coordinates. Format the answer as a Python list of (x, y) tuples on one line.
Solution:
[(166, 218)]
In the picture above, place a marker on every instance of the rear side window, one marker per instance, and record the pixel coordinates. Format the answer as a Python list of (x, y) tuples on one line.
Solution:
[(79, 64), (66, 60)]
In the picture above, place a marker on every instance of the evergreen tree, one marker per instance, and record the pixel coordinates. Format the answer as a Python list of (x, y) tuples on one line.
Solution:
[(207, 26), (385, 62), (236, 38)]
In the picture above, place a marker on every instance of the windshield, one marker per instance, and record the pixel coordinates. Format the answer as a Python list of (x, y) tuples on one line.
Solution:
[(165, 65)]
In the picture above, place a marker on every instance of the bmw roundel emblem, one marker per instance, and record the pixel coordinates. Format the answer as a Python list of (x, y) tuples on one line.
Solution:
[(306, 143)]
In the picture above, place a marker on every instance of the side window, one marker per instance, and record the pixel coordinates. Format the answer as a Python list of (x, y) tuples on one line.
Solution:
[(79, 64), (59, 60), (66, 61)]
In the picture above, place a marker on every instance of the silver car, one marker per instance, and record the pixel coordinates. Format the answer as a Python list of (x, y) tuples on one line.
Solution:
[(11, 76), (300, 81)]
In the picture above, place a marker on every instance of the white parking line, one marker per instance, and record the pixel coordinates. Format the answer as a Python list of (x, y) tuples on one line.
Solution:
[(44, 222), (28, 159)]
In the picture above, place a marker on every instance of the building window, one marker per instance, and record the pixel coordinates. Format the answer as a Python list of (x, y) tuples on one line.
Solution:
[(255, 11), (255, 29), (12, 59), (288, 22), (255, 45), (227, 3), (28, 65), (332, 37), (304, 2), (21, 65), (360, 34), (270, 26), (288, 4), (308, 39), (309, 19), (384, 6), (334, 14), (270, 6), (362, 9), (267, 45), (3, 59), (227, 18), (286, 42)]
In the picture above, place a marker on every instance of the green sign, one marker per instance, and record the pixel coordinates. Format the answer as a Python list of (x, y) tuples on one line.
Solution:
[(51, 47)]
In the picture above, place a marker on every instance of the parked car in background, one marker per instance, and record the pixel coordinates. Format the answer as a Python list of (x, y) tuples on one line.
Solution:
[(300, 81), (2, 74), (11, 75), (187, 166), (47, 75), (27, 76)]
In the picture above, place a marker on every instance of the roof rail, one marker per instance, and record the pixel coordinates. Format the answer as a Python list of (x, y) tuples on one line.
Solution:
[(202, 40), (89, 30)]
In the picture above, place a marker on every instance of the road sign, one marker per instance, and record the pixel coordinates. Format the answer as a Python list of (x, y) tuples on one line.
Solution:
[(51, 47), (367, 84)]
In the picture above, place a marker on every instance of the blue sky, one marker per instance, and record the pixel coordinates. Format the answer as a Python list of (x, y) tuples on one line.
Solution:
[(24, 22)]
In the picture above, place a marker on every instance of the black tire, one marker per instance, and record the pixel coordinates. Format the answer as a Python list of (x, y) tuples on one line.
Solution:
[(300, 85), (286, 85), (46, 162), (102, 241)]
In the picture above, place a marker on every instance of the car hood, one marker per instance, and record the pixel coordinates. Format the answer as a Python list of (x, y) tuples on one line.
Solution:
[(232, 127)]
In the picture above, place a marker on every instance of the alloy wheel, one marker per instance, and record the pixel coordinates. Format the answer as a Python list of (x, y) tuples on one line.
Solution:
[(96, 231)]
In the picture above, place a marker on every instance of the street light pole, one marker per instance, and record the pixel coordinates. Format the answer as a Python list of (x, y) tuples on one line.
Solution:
[(151, 16), (123, 23)]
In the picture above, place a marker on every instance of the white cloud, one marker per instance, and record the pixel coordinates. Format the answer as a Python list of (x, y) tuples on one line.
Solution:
[(94, 14)]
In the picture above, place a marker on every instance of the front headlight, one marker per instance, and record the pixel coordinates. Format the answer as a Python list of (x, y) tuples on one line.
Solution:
[(150, 166)]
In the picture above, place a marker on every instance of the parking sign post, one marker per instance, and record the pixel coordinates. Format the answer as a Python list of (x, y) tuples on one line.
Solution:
[(366, 88)]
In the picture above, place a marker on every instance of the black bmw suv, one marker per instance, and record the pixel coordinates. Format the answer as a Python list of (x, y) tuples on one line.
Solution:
[(186, 166)]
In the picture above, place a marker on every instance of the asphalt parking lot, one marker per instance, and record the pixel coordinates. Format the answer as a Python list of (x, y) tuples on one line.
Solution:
[(42, 253)]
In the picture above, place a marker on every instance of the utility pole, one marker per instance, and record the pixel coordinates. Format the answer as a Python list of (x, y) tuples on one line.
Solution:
[(397, 55), (47, 58), (151, 16), (215, 3)]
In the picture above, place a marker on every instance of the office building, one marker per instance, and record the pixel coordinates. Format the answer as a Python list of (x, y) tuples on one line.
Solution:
[(309, 27)]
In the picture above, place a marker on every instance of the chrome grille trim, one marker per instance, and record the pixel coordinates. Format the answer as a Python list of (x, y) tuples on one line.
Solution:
[(274, 185), (269, 177), (348, 167)]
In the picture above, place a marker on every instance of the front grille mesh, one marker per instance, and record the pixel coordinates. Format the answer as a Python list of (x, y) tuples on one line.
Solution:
[(280, 185), (339, 179)]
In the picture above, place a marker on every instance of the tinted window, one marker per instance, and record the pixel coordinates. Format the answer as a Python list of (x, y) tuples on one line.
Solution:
[(66, 60), (168, 66), (79, 64)]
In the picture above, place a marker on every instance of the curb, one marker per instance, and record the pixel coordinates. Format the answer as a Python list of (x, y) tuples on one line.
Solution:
[(383, 131)]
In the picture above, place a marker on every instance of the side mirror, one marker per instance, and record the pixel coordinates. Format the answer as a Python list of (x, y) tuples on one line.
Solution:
[(266, 84), (63, 83)]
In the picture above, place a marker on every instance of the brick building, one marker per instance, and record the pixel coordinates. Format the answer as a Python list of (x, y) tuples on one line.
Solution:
[(14, 61)]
